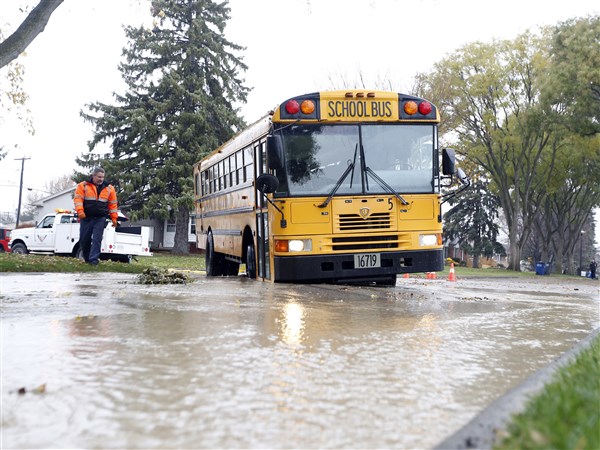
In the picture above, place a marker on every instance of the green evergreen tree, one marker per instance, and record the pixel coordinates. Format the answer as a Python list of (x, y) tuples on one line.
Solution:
[(183, 86), (473, 221)]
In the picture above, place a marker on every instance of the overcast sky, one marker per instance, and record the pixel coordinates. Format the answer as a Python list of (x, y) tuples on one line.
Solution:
[(292, 47)]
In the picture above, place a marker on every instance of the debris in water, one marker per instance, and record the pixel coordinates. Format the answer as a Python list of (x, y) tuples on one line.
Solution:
[(41, 389), (162, 276)]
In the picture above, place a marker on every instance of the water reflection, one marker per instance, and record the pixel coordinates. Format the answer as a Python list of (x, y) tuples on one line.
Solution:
[(292, 323)]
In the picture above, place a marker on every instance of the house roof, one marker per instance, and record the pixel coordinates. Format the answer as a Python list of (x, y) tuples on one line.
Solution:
[(41, 201)]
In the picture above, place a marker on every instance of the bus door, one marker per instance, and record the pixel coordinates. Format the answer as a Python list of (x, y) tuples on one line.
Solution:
[(262, 216)]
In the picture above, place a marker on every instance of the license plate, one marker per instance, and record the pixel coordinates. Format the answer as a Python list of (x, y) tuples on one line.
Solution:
[(367, 260)]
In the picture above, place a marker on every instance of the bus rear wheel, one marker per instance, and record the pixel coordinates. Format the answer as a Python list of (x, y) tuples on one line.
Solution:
[(214, 261), (251, 261)]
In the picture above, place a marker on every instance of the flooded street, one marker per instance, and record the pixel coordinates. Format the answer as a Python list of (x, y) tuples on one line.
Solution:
[(231, 363)]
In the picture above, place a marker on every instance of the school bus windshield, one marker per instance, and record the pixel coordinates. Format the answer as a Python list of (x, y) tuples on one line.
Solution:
[(319, 157)]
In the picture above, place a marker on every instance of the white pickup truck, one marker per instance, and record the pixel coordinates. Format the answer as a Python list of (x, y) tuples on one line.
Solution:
[(59, 234)]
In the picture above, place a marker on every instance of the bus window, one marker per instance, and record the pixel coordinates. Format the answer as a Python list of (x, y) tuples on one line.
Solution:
[(248, 164), (197, 184), (317, 157), (402, 155), (231, 170), (239, 163)]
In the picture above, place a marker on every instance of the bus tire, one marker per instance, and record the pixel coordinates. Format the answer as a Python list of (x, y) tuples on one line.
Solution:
[(387, 281), (214, 260), (251, 260), (233, 268)]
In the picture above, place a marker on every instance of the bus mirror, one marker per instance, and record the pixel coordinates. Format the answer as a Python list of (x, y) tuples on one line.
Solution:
[(448, 161), (275, 151), (267, 183)]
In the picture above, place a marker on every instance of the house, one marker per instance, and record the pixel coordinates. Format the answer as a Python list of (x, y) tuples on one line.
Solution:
[(162, 232), (452, 250)]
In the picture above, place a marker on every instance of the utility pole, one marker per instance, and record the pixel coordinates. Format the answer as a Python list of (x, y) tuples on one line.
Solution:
[(20, 187)]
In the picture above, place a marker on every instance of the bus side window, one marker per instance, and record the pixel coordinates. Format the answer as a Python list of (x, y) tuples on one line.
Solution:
[(248, 164), (263, 156), (239, 164), (219, 176)]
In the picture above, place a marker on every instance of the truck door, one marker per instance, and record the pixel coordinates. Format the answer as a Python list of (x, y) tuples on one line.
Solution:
[(43, 235)]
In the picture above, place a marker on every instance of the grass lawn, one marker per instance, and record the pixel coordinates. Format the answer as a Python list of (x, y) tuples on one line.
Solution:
[(65, 264), (566, 414)]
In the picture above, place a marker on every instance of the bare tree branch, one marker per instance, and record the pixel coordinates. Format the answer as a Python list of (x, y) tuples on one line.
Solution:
[(33, 25)]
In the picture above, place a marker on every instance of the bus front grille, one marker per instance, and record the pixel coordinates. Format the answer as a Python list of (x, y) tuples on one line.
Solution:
[(366, 243), (354, 222)]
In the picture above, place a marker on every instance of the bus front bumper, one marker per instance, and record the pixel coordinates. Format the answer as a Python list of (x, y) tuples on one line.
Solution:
[(340, 267)]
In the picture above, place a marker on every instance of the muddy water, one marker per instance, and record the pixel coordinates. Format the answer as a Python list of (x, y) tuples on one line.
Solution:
[(236, 364)]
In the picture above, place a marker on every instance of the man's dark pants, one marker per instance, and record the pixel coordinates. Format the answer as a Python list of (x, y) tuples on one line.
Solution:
[(91, 230)]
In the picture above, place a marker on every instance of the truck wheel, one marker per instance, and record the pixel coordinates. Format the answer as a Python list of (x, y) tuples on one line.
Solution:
[(19, 249), (79, 254), (251, 260)]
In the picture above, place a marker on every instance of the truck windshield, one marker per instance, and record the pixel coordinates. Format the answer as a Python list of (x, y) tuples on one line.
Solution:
[(317, 157)]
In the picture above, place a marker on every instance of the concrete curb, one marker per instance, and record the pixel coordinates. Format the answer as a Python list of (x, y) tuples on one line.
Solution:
[(481, 432)]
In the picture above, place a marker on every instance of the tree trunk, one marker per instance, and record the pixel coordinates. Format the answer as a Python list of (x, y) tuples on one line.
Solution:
[(558, 262), (181, 245), (476, 259), (514, 261)]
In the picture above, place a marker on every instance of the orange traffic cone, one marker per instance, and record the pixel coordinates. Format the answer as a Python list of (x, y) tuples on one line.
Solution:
[(452, 275), (405, 275), (432, 275), (428, 275)]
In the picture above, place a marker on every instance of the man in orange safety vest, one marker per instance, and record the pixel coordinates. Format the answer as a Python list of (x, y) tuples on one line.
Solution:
[(95, 200)]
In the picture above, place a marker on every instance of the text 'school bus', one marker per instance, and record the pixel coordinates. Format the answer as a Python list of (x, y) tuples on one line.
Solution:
[(339, 186)]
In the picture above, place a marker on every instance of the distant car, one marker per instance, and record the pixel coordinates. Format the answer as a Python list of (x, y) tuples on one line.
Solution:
[(4, 238)]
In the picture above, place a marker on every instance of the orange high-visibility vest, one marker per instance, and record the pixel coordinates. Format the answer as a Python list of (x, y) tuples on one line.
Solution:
[(96, 201)]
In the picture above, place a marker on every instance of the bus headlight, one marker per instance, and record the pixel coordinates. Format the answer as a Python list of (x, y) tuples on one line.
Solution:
[(428, 240), (297, 245), (293, 245)]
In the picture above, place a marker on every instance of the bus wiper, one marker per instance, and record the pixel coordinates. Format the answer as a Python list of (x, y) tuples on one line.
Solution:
[(349, 169), (384, 185), (353, 165)]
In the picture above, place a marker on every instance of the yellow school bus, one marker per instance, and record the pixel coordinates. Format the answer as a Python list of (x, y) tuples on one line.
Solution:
[(334, 186)]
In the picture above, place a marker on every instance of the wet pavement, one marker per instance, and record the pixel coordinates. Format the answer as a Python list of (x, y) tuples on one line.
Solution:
[(231, 363)]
